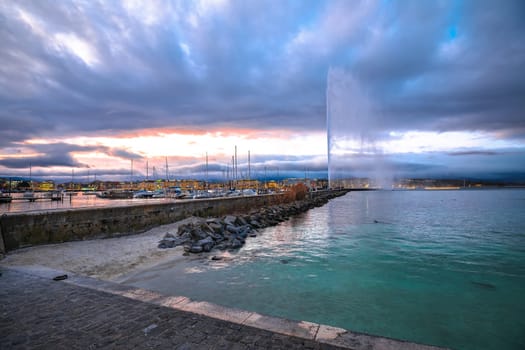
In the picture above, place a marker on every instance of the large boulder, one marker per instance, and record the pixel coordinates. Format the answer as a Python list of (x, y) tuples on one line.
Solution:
[(230, 220), (216, 227), (170, 242), (232, 229), (255, 223), (241, 221), (184, 228), (206, 244), (195, 249), (197, 233), (235, 244)]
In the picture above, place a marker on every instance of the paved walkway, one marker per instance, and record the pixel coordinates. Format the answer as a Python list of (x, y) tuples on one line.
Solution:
[(83, 313)]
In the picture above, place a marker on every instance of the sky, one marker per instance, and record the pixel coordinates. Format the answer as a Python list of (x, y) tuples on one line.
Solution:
[(119, 89)]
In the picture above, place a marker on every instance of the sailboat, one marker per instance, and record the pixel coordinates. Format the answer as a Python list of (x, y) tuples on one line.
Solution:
[(6, 198), (30, 195), (116, 194), (71, 190)]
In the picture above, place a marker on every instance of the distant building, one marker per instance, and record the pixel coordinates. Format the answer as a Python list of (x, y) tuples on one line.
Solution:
[(48, 185)]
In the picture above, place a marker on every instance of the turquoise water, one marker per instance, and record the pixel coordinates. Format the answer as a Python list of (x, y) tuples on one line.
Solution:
[(438, 267)]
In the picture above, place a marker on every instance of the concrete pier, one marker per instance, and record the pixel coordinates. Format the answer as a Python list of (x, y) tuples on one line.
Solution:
[(18, 230)]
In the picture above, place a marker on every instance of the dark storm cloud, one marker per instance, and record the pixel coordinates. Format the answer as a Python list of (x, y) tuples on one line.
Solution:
[(447, 66), (59, 154), (46, 160), (70, 68)]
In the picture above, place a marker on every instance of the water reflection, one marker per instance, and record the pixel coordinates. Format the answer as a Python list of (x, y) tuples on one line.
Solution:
[(77, 200)]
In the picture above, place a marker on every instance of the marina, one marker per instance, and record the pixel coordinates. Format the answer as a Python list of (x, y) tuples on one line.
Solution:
[(21, 202), (45, 201)]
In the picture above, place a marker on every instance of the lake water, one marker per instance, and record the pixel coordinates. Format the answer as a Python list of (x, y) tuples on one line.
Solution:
[(438, 267)]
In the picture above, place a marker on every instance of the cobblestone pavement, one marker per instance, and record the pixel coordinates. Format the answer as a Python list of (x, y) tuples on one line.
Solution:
[(39, 313)]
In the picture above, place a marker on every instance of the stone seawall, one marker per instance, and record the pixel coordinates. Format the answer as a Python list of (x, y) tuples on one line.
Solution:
[(19, 230)]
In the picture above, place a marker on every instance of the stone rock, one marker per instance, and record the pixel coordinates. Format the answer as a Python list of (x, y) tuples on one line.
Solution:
[(206, 244), (236, 244), (184, 228), (221, 246), (205, 241), (216, 227), (206, 228), (197, 233), (196, 249), (216, 237), (208, 247), (232, 229), (230, 220), (186, 236), (242, 221), (246, 228), (255, 223), (167, 243)]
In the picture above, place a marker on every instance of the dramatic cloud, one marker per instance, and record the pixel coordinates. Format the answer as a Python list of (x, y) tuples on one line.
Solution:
[(74, 68)]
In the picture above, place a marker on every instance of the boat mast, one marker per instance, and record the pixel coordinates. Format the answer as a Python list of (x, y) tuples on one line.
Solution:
[(131, 177), (30, 177), (167, 178), (206, 184), (236, 164), (233, 173)]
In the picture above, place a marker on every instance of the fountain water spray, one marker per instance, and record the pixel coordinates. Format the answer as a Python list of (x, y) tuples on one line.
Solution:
[(352, 127)]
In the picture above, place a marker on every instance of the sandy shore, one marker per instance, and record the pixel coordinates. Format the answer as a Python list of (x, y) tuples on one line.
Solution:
[(108, 259)]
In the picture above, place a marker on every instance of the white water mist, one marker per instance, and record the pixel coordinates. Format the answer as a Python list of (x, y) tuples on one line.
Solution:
[(352, 128)]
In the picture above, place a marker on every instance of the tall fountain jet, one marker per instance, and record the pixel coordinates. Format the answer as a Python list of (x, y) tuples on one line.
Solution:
[(352, 129)]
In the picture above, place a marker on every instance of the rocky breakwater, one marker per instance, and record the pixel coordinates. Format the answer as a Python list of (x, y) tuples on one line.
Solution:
[(231, 231)]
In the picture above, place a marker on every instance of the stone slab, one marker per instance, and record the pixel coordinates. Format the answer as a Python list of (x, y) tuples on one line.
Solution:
[(300, 329), (353, 340), (215, 311)]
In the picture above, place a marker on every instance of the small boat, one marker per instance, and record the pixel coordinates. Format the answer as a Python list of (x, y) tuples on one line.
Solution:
[(29, 195), (249, 192), (116, 194), (159, 194), (5, 198), (143, 194), (56, 196)]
